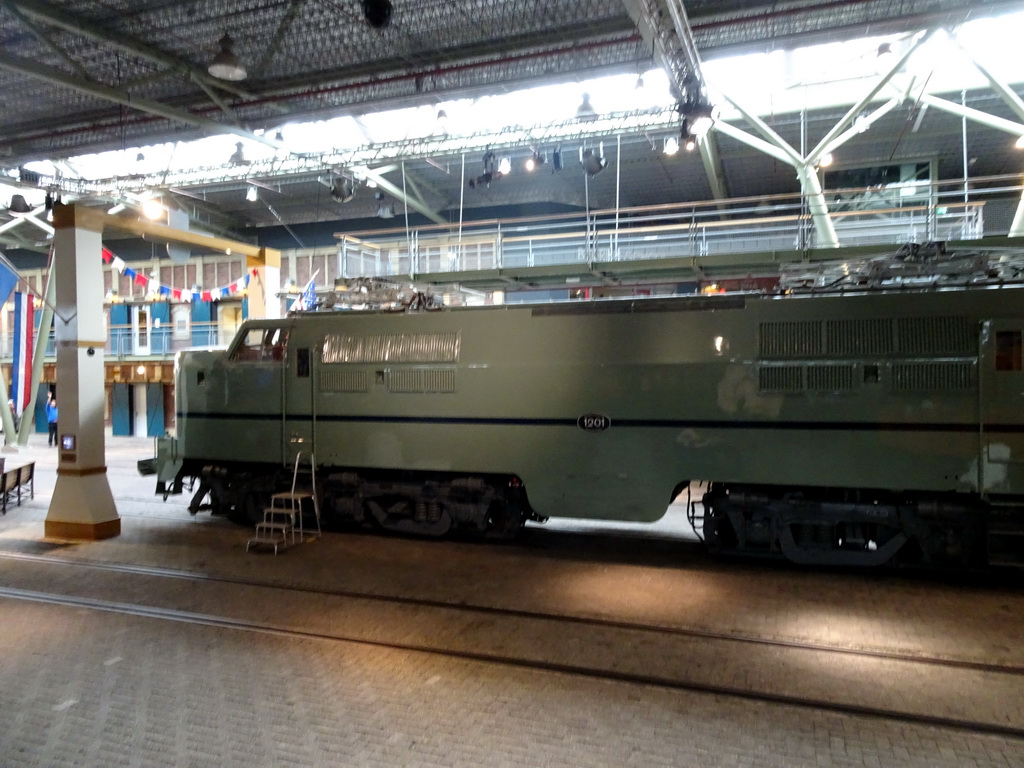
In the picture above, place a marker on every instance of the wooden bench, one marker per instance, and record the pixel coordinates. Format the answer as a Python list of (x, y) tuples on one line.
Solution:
[(14, 482)]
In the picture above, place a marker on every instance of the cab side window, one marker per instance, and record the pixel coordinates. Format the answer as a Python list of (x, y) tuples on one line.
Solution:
[(1009, 351), (261, 345)]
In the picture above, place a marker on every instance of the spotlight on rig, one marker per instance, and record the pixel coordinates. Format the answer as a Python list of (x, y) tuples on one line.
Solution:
[(342, 190), (593, 162)]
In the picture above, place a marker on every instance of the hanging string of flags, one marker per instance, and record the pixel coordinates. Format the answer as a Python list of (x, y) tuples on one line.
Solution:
[(177, 294)]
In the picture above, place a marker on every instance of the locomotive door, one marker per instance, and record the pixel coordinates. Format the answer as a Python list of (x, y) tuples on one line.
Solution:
[(299, 404), (1001, 397)]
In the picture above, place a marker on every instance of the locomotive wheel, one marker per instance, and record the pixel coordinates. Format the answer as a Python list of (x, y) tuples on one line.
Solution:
[(503, 520), (252, 510)]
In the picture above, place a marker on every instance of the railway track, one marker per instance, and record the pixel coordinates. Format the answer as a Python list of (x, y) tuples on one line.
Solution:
[(589, 632)]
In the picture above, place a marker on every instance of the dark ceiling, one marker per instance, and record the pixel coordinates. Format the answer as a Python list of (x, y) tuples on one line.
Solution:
[(88, 75)]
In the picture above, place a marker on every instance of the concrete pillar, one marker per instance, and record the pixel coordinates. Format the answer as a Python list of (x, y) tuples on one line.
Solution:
[(82, 506), (264, 285)]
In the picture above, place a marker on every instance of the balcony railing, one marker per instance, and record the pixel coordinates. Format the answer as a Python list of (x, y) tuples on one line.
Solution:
[(895, 215), (125, 342)]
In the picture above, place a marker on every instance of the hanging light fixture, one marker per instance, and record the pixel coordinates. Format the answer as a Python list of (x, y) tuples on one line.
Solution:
[(536, 159), (504, 166), (238, 156), (251, 194), (226, 65), (585, 112), (385, 210), (19, 205), (671, 145)]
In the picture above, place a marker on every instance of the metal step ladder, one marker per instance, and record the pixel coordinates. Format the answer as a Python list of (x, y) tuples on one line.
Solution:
[(283, 523)]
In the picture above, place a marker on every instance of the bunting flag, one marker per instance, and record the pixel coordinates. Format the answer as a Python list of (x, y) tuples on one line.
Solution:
[(8, 279), (221, 292), (21, 369)]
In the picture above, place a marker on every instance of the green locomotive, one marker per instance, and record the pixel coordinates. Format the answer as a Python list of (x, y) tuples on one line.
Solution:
[(854, 428)]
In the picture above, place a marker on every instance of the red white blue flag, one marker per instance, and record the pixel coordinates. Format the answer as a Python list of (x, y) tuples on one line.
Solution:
[(307, 300), (21, 370)]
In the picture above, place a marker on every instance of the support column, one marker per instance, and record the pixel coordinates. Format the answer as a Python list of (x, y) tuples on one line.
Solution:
[(82, 506), (265, 284), (1017, 227), (810, 186)]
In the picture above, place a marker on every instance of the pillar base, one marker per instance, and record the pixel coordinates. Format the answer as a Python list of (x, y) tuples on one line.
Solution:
[(82, 506), (57, 529)]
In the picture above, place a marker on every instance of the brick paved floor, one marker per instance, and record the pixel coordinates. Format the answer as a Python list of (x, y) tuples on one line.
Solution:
[(83, 687)]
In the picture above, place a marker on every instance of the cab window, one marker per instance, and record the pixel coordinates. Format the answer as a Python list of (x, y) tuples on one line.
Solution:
[(260, 345), (1008, 351)]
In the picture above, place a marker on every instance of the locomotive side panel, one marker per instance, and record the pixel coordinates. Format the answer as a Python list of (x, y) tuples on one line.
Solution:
[(830, 427)]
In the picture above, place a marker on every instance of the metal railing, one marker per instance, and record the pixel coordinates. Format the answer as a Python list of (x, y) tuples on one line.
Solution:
[(125, 342), (894, 216)]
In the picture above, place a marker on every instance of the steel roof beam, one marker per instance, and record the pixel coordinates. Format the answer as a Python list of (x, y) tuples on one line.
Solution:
[(853, 112), (100, 91), (413, 202), (77, 25)]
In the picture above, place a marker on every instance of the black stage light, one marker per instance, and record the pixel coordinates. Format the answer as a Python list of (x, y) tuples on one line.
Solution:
[(377, 13), (343, 190), (593, 162)]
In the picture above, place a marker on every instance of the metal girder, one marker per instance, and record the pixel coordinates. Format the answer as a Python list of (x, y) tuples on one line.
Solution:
[(677, 53), (1006, 92), (55, 76), (282, 29), (815, 154), (806, 171), (413, 202), (670, 36), (976, 115), (713, 165), (780, 148), (862, 125), (371, 154), (78, 25), (45, 40)]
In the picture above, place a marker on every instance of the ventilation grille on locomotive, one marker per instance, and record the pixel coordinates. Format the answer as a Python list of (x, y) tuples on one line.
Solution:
[(830, 378), (801, 378), (392, 348), (334, 380), (419, 380), (858, 338), (869, 337), (780, 379), (936, 335), (930, 377), (790, 339)]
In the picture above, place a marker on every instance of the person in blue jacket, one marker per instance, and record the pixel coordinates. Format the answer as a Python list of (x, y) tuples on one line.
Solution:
[(51, 418)]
